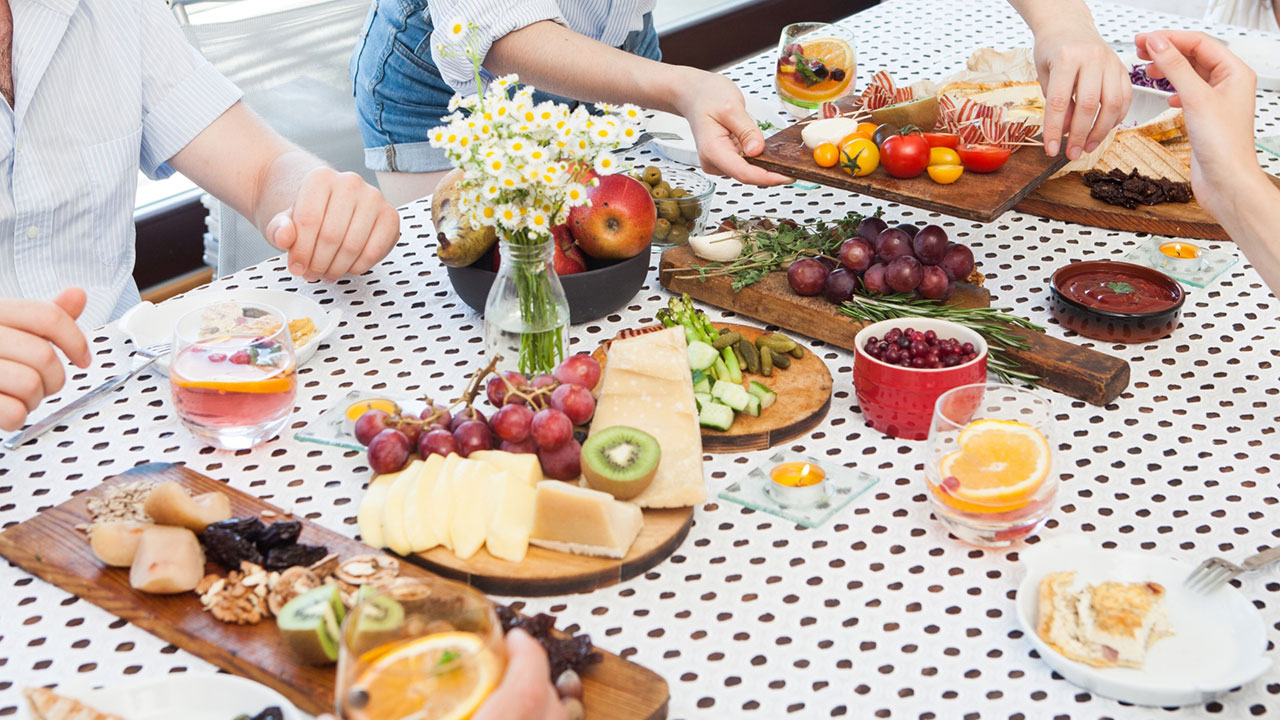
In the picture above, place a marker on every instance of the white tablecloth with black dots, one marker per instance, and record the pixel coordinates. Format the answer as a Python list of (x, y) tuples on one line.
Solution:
[(877, 614)]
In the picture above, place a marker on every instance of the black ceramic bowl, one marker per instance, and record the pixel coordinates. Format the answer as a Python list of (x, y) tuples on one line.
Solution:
[(593, 294), (1111, 325)]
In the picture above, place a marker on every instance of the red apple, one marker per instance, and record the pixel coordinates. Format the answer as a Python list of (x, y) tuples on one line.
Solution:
[(568, 257), (618, 224)]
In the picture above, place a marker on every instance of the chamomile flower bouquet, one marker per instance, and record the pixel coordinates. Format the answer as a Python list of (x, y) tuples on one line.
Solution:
[(525, 164)]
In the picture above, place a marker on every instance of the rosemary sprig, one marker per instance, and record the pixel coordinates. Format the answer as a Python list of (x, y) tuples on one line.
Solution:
[(993, 324)]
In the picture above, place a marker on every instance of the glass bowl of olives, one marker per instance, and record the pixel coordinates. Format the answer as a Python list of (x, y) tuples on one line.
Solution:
[(682, 198)]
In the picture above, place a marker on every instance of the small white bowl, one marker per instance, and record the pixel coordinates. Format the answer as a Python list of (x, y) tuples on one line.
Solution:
[(188, 696), (1219, 640)]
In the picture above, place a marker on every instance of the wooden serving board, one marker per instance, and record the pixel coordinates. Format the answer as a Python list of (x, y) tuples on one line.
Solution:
[(1072, 370), (547, 572), (804, 397), (975, 196), (49, 547)]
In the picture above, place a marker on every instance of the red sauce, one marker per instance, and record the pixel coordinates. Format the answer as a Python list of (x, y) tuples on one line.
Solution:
[(1118, 292)]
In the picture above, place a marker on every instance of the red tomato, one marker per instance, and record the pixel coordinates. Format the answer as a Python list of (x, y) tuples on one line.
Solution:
[(982, 158), (904, 156), (946, 140)]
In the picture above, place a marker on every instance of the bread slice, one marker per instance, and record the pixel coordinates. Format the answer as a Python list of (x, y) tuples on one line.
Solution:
[(1111, 624), (48, 705), (1021, 100), (1131, 150), (1180, 148), (1168, 125)]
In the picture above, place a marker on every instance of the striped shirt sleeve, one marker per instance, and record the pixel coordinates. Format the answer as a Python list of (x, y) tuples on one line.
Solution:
[(493, 20), (182, 93)]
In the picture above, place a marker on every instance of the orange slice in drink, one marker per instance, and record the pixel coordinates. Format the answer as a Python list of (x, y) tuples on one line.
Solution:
[(445, 676), (277, 383), (834, 53), (999, 467)]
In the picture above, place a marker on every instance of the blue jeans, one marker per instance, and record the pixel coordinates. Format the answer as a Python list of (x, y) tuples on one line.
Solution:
[(400, 95)]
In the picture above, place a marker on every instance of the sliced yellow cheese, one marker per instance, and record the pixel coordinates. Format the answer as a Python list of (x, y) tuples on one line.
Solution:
[(583, 521), (661, 354), (394, 532), (471, 507), (521, 465), (441, 505), (508, 537), (417, 506), (369, 516)]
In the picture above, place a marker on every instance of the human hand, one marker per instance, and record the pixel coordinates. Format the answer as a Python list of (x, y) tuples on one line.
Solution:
[(29, 368), (338, 224), (526, 692), (1215, 90), (722, 128), (1086, 87)]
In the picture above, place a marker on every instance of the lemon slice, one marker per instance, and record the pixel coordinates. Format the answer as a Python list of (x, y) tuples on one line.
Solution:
[(999, 467), (445, 676)]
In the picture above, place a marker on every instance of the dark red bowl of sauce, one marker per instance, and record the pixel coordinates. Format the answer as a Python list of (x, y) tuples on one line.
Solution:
[(1116, 301)]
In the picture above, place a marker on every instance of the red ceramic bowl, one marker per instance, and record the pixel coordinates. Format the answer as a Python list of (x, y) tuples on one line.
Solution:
[(899, 401), (1108, 324)]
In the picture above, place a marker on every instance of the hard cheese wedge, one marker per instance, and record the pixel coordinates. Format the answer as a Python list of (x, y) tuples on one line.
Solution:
[(394, 532), (471, 508), (579, 520), (642, 389), (508, 536), (520, 465), (422, 534)]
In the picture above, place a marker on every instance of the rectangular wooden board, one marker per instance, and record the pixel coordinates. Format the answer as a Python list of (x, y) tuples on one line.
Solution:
[(49, 547), (1072, 370), (975, 196)]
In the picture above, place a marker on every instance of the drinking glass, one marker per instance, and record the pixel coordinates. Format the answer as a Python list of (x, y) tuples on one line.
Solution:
[(815, 64), (990, 464), (232, 373), (427, 650)]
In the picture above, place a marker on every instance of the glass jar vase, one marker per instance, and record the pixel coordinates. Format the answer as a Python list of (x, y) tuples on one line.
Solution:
[(526, 316)]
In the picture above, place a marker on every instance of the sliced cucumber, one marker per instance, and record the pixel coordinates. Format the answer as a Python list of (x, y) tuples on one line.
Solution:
[(753, 406), (701, 383), (735, 396), (702, 399), (767, 397), (701, 355), (717, 416), (720, 370)]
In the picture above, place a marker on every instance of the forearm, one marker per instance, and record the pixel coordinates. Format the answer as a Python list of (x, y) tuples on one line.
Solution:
[(1251, 219), (1043, 17)]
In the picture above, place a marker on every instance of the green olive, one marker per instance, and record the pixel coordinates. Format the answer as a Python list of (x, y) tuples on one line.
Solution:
[(665, 186), (661, 229), (659, 193), (691, 209), (679, 235), (679, 192), (652, 175), (669, 210)]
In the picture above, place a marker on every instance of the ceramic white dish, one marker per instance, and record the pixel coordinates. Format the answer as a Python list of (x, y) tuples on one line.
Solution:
[(684, 150), (1219, 639), (1262, 53), (147, 323), (186, 696), (1147, 102)]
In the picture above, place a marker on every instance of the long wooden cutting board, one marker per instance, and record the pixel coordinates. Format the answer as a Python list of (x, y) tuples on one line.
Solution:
[(49, 547), (1072, 370)]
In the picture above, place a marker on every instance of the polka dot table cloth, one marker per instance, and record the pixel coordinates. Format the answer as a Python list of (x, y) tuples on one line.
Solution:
[(877, 614)]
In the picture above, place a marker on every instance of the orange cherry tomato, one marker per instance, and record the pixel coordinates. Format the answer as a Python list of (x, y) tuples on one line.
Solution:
[(826, 155)]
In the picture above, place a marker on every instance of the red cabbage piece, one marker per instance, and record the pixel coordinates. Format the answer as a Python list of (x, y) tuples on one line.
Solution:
[(1138, 76)]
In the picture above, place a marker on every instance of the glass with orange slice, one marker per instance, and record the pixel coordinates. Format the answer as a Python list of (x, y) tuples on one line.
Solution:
[(435, 652), (232, 376), (816, 64), (990, 465)]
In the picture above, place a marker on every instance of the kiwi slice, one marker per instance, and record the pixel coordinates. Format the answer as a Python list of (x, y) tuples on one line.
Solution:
[(620, 460), (375, 619), (311, 625)]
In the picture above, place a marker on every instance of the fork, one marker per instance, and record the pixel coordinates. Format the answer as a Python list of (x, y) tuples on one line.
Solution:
[(1215, 572), (151, 352), (647, 137)]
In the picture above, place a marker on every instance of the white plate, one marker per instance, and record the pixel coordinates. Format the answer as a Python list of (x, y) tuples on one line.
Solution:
[(148, 324), (1263, 55), (1147, 102), (186, 696), (684, 150), (1219, 640)]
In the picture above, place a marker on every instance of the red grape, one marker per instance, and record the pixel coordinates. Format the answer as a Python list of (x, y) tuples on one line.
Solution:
[(575, 402), (934, 283), (512, 422), (500, 385), (388, 451), (563, 462), (807, 276), (873, 280), (473, 435), (551, 428), (369, 424), (581, 370), (870, 228), (411, 427), (465, 415), (856, 254), (893, 244), (437, 442), (525, 446), (903, 274), (442, 419), (909, 228), (957, 262), (543, 381), (930, 244), (840, 285)]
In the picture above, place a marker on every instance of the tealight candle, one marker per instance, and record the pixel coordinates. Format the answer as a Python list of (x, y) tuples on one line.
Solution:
[(797, 484), (360, 407), (1180, 256)]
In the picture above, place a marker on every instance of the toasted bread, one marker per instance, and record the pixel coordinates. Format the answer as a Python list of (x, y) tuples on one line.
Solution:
[(1111, 624), (1168, 125), (1180, 148), (48, 705), (1021, 100), (1131, 150)]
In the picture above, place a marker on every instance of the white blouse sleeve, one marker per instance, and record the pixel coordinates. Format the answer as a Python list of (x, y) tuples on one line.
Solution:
[(492, 19)]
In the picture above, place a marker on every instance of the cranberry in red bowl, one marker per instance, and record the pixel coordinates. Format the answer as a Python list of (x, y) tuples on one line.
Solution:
[(1116, 301)]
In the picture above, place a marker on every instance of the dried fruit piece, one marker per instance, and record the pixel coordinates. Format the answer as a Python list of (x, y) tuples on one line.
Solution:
[(287, 556), (276, 534), (227, 548), (249, 528)]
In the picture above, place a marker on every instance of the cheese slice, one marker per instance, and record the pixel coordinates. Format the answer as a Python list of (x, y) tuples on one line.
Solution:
[(394, 532), (653, 354), (522, 465), (441, 504), (422, 535), (512, 521), (369, 516), (582, 521), (471, 508)]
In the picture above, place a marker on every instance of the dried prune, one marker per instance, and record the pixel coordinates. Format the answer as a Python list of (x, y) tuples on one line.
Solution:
[(279, 534), (272, 713), (249, 528), (564, 652), (287, 556), (1131, 189), (227, 548)]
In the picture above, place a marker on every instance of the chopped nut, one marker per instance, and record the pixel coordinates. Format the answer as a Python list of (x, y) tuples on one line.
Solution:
[(365, 569), (267, 514), (289, 584), (233, 600)]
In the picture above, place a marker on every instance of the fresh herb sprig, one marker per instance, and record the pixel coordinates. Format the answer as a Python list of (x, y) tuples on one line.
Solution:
[(995, 325)]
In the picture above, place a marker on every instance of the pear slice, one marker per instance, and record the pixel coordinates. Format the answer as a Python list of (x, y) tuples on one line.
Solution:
[(170, 504), (422, 536), (393, 526)]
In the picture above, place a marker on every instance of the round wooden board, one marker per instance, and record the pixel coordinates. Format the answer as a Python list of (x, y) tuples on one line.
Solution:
[(547, 572), (804, 397)]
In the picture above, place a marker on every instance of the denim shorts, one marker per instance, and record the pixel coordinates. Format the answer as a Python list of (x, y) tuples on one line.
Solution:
[(400, 95)]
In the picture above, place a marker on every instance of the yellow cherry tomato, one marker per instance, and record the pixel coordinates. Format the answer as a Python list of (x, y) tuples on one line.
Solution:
[(945, 174), (826, 155), (867, 128), (943, 156), (859, 156), (853, 136)]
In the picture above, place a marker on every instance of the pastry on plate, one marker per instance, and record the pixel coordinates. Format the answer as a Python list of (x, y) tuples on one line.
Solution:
[(48, 705), (1110, 624)]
